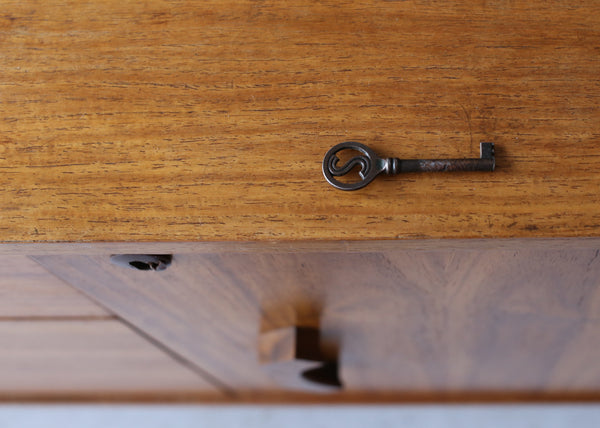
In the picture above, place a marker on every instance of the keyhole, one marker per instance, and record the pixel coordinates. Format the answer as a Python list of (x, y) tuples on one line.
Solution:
[(145, 262)]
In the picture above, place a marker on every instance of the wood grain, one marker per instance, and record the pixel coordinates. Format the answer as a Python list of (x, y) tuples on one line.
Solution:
[(207, 121), (29, 291), (88, 358), (492, 323)]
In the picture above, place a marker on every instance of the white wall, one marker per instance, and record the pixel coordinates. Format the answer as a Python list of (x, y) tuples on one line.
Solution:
[(413, 416)]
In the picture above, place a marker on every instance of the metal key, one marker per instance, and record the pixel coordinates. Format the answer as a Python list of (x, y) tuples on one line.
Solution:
[(372, 165)]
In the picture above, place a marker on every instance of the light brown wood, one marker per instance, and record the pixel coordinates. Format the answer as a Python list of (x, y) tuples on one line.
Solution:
[(492, 323), (208, 121), (27, 290), (88, 358)]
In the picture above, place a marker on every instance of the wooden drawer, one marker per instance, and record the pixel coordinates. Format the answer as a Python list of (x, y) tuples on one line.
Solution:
[(434, 323)]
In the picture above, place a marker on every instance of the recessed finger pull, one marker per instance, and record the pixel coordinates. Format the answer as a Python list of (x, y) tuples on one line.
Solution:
[(151, 262), (372, 165), (295, 358)]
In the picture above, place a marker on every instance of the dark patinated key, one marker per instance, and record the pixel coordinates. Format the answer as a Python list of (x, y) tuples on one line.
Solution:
[(372, 165)]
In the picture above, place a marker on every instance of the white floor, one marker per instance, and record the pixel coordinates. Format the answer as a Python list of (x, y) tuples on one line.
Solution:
[(412, 416)]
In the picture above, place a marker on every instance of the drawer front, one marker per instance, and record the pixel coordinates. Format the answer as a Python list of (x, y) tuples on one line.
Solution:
[(408, 323)]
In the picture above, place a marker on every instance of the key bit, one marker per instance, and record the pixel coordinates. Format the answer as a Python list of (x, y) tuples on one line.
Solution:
[(372, 165)]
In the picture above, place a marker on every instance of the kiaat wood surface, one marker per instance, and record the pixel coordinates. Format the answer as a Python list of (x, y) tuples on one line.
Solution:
[(207, 121), (436, 324)]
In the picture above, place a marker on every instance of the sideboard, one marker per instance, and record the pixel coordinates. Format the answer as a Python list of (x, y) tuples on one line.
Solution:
[(196, 131)]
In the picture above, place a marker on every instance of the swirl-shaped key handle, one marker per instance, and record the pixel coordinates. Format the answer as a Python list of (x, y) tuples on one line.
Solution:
[(372, 165)]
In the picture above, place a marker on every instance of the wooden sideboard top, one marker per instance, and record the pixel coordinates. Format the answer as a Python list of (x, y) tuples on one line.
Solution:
[(208, 121)]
